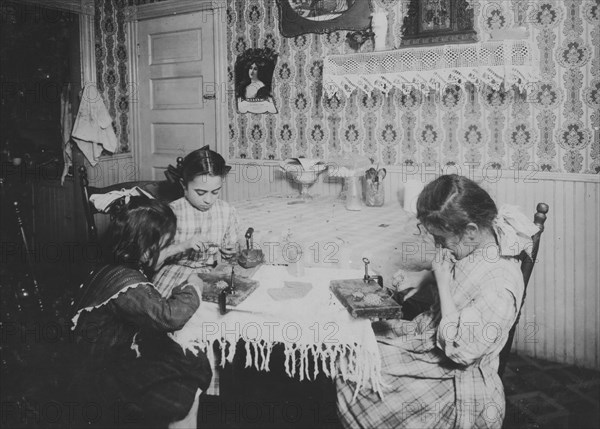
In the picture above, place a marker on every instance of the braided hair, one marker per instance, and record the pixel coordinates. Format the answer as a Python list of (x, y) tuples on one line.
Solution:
[(203, 161), (451, 202)]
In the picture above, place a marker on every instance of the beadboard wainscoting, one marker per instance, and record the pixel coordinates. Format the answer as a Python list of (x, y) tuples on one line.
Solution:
[(560, 321), (113, 169), (255, 178)]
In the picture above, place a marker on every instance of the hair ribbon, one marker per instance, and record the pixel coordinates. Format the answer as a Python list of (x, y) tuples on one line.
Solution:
[(104, 202), (513, 230)]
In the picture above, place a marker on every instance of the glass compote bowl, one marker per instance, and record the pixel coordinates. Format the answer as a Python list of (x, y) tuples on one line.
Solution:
[(304, 172)]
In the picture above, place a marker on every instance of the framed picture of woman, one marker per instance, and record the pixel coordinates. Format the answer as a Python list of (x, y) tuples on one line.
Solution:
[(322, 16), (254, 79)]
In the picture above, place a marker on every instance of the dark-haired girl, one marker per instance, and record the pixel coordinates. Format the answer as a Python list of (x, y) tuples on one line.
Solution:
[(441, 368), (206, 224), (121, 325)]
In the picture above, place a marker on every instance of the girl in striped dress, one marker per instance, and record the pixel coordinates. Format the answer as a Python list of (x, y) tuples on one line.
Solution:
[(206, 225)]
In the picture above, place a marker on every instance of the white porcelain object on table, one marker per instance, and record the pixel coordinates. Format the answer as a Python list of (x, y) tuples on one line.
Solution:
[(352, 185), (353, 193), (412, 189)]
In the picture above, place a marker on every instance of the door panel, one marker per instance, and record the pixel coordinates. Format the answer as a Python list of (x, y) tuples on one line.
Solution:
[(168, 137), (176, 70), (177, 93)]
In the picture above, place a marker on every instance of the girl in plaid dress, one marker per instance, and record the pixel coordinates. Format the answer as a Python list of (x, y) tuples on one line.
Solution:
[(441, 368), (206, 225)]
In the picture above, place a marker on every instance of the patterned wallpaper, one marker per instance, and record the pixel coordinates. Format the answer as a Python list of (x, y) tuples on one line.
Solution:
[(556, 127), (111, 65)]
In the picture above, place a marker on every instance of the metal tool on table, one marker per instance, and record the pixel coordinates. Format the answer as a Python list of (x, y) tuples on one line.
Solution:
[(367, 278), (366, 297), (229, 290), (223, 302), (249, 242), (250, 257)]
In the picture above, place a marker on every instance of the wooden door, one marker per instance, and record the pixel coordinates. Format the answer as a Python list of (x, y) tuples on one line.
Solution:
[(176, 79)]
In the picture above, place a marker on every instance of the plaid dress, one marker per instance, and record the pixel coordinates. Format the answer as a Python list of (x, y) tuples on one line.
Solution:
[(442, 372), (218, 225)]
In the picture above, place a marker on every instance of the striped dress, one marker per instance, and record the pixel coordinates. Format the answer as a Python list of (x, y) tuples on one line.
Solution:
[(218, 225), (442, 372)]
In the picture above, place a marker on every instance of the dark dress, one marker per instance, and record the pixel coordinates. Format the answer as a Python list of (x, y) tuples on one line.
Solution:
[(128, 363)]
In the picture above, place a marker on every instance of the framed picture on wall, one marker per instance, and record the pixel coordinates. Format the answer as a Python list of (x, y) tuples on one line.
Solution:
[(438, 22), (254, 80), (322, 16)]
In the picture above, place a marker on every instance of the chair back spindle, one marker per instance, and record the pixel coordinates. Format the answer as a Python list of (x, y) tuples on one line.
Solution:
[(527, 264), (36, 288)]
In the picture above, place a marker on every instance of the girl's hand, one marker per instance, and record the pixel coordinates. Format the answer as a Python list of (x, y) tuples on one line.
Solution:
[(402, 285), (196, 282), (409, 283), (442, 267), (197, 244), (228, 252)]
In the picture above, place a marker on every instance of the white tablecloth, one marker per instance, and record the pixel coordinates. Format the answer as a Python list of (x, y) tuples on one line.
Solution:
[(329, 235), (314, 328)]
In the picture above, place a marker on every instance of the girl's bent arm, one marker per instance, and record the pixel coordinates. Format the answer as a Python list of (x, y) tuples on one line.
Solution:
[(145, 307), (482, 326)]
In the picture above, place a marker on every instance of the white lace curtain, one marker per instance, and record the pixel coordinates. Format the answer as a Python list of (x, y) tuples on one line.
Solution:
[(508, 62)]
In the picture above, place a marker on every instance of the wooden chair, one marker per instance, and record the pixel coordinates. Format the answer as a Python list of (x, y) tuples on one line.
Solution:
[(527, 264), (164, 190)]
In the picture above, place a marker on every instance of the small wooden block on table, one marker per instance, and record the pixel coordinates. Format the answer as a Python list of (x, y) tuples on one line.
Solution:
[(238, 269), (344, 290), (243, 287)]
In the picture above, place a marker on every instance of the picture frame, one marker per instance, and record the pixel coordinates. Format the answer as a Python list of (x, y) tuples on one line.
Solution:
[(254, 70), (298, 17), (438, 22)]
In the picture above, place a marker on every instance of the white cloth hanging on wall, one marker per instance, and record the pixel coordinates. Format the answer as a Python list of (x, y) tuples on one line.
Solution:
[(508, 62), (93, 131)]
